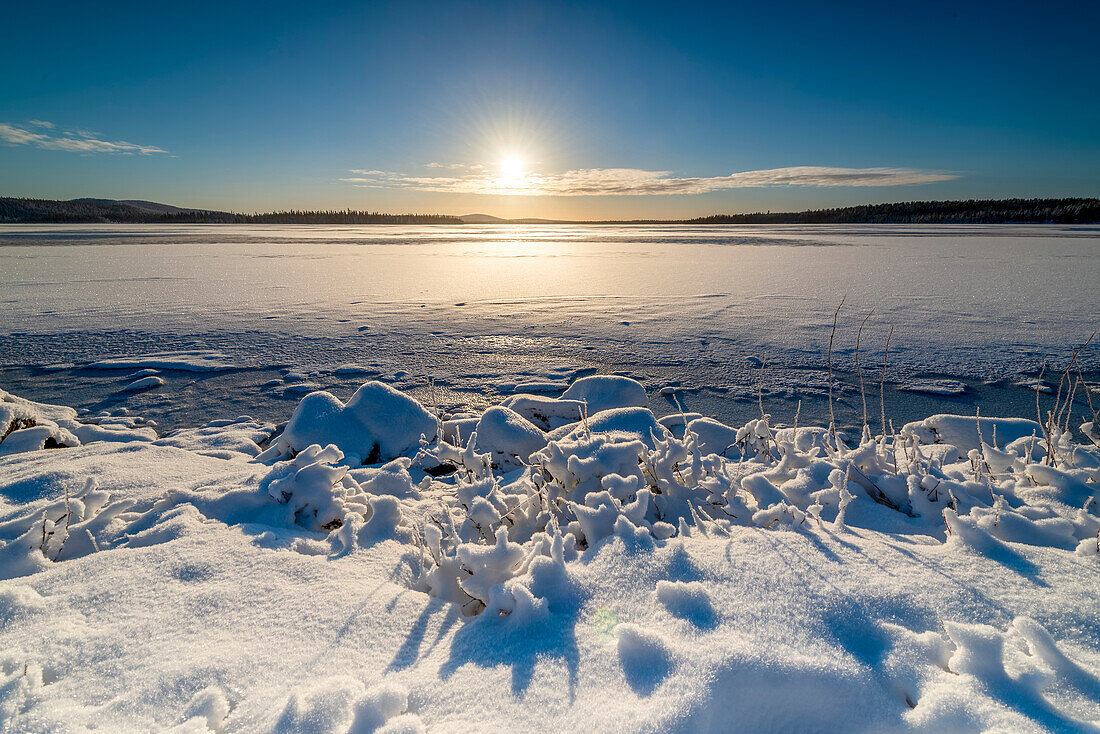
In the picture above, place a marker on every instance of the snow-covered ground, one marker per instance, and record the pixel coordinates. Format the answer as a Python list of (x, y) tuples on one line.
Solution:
[(483, 310), (550, 564), (361, 479)]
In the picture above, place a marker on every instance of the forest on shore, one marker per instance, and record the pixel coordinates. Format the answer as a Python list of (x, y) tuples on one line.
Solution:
[(973, 211)]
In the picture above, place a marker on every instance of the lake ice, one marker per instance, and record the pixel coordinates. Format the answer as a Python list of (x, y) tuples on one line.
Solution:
[(484, 309)]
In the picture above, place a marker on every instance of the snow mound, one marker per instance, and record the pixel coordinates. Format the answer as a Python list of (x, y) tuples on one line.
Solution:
[(603, 392), (379, 423), (645, 658), (239, 438), (687, 600), (961, 431), (639, 423)]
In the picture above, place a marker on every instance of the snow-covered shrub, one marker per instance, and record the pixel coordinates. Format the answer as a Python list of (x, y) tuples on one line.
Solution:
[(313, 488)]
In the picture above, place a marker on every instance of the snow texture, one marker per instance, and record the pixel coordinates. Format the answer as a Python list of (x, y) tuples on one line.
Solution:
[(373, 568)]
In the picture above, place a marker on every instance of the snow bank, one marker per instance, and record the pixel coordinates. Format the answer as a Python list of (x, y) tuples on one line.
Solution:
[(29, 426), (613, 573)]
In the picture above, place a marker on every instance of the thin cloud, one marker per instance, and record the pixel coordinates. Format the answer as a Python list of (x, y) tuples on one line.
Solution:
[(73, 141), (638, 182)]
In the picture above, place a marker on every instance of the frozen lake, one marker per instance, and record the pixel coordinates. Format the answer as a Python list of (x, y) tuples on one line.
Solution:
[(484, 309)]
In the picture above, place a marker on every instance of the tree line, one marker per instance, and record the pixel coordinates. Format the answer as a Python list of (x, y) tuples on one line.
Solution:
[(971, 211)]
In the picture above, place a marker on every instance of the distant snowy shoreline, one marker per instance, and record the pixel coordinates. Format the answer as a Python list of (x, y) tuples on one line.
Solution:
[(547, 563)]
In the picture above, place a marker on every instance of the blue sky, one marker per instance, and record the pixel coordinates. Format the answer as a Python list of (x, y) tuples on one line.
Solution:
[(603, 110)]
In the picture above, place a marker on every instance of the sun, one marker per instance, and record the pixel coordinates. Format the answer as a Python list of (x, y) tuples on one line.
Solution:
[(511, 167)]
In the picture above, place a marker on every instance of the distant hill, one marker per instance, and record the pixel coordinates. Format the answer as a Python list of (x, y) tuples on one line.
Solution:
[(86, 211), (489, 219), (150, 206), (90, 211), (990, 211)]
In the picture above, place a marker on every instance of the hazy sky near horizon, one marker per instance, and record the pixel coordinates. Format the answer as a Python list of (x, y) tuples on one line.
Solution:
[(571, 110)]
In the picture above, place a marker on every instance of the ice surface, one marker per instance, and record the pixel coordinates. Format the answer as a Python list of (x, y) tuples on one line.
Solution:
[(544, 305), (935, 387)]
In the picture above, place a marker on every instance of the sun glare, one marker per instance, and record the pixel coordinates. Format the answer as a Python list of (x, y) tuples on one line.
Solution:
[(511, 167)]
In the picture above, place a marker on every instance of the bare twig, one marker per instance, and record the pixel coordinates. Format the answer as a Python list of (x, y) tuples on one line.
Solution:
[(832, 335), (859, 337), (882, 383), (1088, 396), (1058, 407), (1069, 404)]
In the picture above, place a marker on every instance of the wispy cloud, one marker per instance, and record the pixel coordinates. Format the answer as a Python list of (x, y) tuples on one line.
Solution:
[(76, 141), (638, 182)]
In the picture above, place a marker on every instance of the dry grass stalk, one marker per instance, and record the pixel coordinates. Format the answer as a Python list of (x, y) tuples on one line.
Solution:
[(859, 371), (760, 386)]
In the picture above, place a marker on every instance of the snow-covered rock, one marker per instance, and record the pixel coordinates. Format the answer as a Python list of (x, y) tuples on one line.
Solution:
[(508, 437), (29, 426), (545, 412), (961, 431), (603, 392), (639, 423), (379, 423), (712, 437)]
